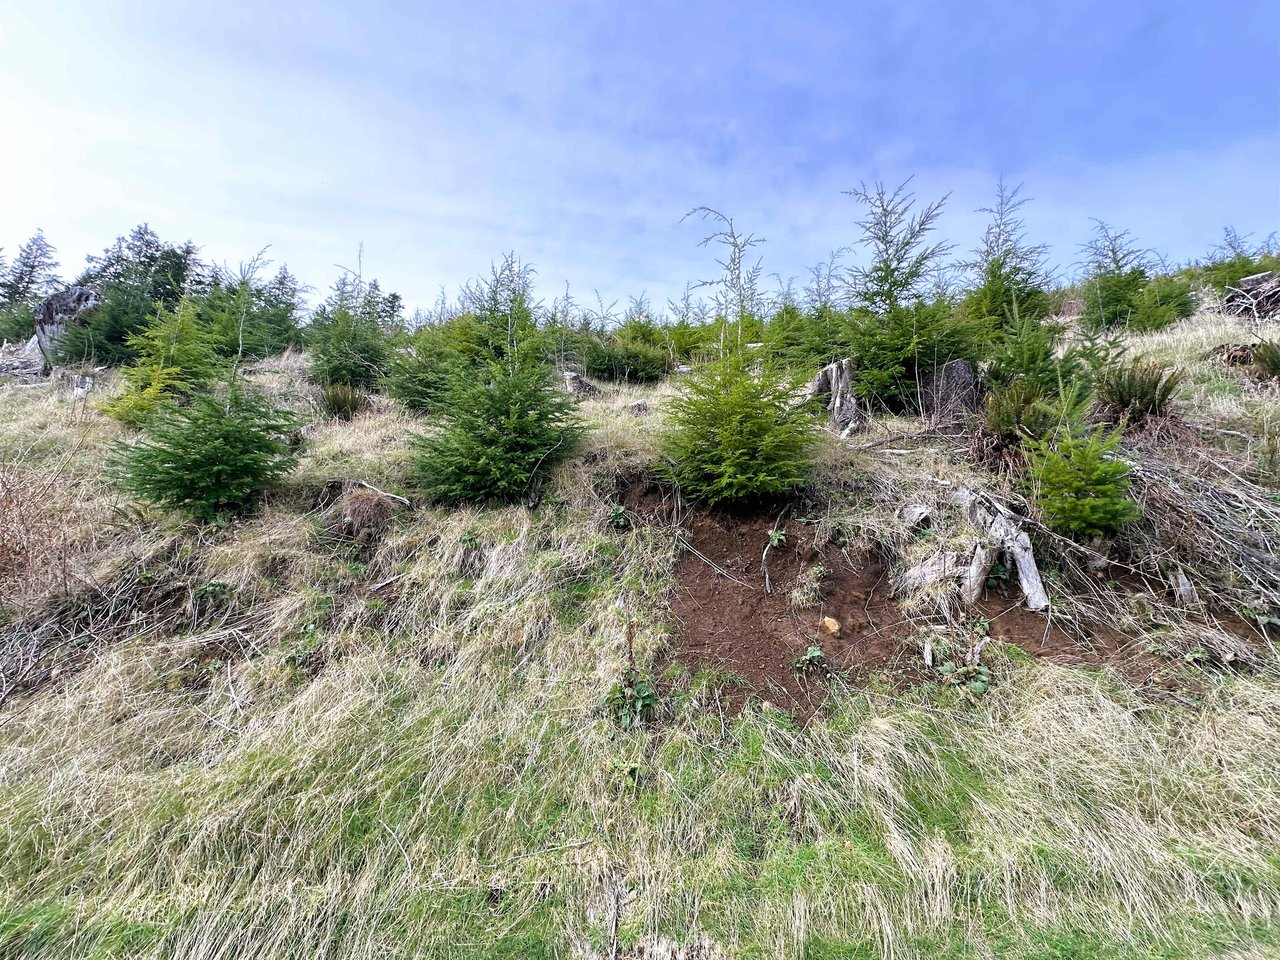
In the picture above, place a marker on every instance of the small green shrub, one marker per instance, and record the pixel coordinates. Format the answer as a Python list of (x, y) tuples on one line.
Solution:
[(338, 401), (1163, 301), (348, 348), (897, 348), (733, 434), (1137, 389), (218, 455), (175, 359), (1266, 359), (506, 428), (1081, 486), (627, 361), (421, 376)]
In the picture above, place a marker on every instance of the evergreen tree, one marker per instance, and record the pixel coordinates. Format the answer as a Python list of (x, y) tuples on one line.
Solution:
[(506, 427), (32, 276), (249, 318), (1009, 271), (218, 455), (1081, 485), (135, 277), (348, 348), (734, 433), (176, 359)]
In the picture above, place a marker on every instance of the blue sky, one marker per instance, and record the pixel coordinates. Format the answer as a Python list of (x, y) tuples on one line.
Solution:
[(578, 134)]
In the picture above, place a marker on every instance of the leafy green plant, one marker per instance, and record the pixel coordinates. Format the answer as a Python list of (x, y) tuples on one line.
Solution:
[(733, 433), (1233, 260), (1081, 486), (997, 576), (632, 700), (777, 538), (1137, 389), (505, 429), (975, 679), (812, 661), (216, 456), (618, 517), (340, 401)]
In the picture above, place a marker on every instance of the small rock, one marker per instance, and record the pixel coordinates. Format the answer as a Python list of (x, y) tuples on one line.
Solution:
[(638, 408), (829, 626)]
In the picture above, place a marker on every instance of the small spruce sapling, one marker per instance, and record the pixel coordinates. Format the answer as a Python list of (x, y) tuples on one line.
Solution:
[(216, 456), (1081, 485)]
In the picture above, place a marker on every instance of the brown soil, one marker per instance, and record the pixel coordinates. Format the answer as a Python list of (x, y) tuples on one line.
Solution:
[(728, 620)]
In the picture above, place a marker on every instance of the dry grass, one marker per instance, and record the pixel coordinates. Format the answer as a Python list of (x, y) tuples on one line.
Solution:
[(280, 743)]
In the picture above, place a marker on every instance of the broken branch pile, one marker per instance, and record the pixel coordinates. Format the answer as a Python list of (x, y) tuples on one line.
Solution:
[(1256, 297)]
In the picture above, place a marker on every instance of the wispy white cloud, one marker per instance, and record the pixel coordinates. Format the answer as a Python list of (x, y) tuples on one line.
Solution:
[(578, 134)]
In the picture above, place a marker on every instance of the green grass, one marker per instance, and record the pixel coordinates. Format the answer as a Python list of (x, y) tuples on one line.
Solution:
[(403, 755)]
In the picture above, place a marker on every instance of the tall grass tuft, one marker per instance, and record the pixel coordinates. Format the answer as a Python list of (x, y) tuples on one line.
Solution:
[(1137, 389)]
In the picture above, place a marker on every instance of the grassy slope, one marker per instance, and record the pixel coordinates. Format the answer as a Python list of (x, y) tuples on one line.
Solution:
[(297, 764)]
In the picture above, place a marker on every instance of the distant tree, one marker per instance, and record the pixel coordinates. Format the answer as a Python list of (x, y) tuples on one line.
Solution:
[(136, 276), (32, 276), (348, 348), (505, 310), (904, 324), (1006, 268), (248, 317), (1234, 259), (903, 261), (1120, 289), (738, 309)]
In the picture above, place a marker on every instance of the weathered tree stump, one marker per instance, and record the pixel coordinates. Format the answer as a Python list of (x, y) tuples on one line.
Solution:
[(70, 307), (835, 381), (951, 392)]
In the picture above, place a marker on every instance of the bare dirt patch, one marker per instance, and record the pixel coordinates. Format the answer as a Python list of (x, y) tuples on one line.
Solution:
[(729, 620)]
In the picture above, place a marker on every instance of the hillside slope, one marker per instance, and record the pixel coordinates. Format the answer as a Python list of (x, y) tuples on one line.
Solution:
[(325, 733)]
